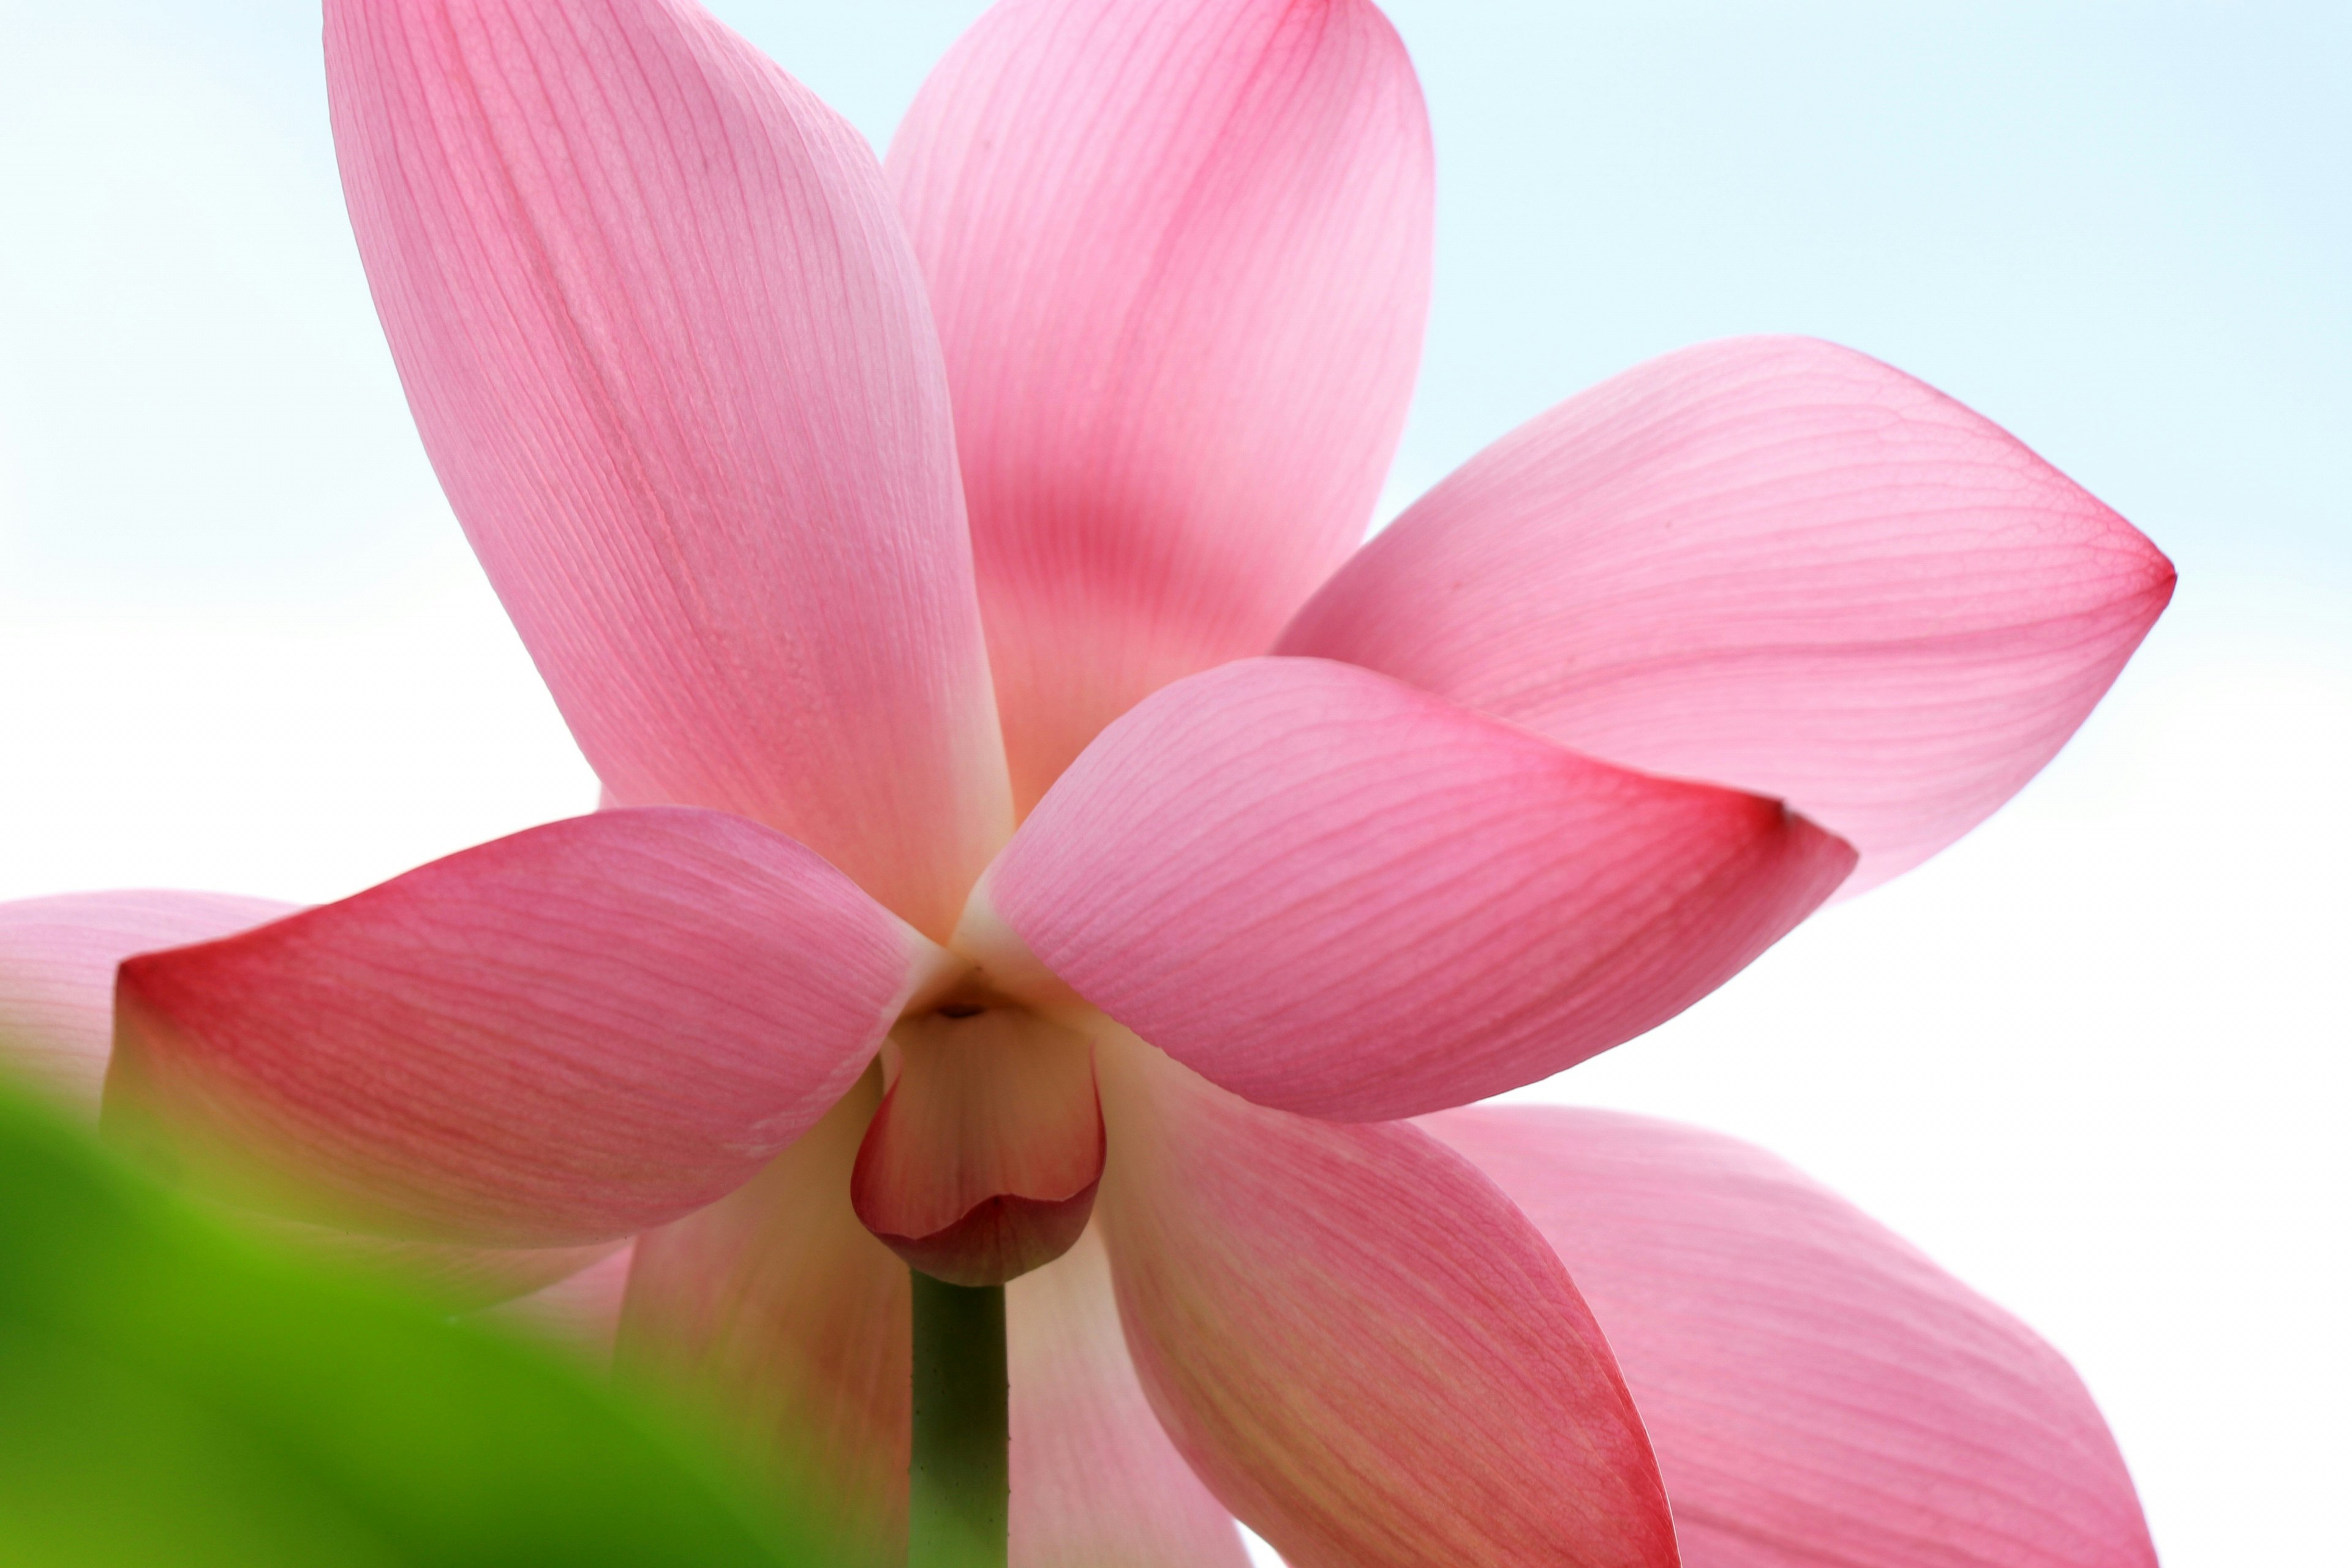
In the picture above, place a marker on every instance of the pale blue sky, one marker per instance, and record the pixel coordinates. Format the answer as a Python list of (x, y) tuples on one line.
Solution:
[(2093, 1058), (2124, 230)]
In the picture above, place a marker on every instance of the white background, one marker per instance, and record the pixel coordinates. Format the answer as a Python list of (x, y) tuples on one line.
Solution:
[(2092, 1060)]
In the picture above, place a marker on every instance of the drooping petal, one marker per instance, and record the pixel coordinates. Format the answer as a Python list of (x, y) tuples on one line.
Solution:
[(1338, 895), (1819, 1392), (795, 1325), (669, 350), (561, 1037), (1775, 564), (1179, 254), (981, 1163), (1096, 1483), (56, 975), (58, 959), (1365, 1351)]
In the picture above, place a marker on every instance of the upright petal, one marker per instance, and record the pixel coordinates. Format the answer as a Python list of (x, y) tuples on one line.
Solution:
[(1775, 564), (1338, 895), (1180, 255), (1366, 1351), (1819, 1392), (557, 1039), (56, 975), (777, 1308), (1096, 1483), (668, 351)]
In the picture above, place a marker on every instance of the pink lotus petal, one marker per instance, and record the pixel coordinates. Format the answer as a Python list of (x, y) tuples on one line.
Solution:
[(57, 959), (1096, 1483), (561, 1037), (1338, 895), (1819, 1392), (1363, 1349), (669, 350), (1180, 255), (781, 1311), (580, 1313), (983, 1161), (1772, 563), (56, 975)]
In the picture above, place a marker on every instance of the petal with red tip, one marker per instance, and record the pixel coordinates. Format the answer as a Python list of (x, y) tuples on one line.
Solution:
[(1179, 254), (58, 959), (1363, 1349), (56, 974), (1096, 1483), (1335, 894), (669, 350), (1773, 563), (779, 1310), (557, 1039), (1817, 1390)]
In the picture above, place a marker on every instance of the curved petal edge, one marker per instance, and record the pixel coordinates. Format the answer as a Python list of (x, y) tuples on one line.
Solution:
[(1773, 563), (558, 1038), (58, 957), (1817, 1390), (1338, 895), (1371, 1357)]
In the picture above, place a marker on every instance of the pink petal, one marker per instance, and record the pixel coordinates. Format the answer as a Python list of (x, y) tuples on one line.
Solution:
[(1773, 564), (983, 1161), (1336, 895), (1361, 1347), (777, 1308), (669, 350), (557, 1039), (56, 975), (57, 959), (1096, 1483), (580, 1313), (1819, 1392), (1180, 255)]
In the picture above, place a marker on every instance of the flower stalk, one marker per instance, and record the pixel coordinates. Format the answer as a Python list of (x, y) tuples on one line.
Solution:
[(959, 1484)]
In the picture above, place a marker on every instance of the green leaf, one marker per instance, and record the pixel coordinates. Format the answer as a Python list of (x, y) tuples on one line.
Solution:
[(173, 1394)]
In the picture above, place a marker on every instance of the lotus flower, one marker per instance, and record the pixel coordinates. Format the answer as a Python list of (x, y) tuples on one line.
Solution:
[(1037, 847)]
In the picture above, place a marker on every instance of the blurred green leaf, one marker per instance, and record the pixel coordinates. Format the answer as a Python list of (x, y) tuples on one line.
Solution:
[(171, 1394)]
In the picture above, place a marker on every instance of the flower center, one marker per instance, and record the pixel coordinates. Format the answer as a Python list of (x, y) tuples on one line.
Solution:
[(983, 1161)]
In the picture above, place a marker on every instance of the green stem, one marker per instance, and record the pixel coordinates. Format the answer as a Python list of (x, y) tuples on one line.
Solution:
[(957, 1504)]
